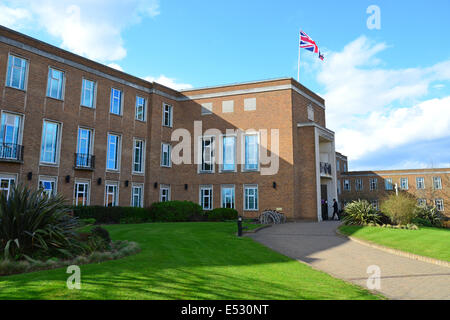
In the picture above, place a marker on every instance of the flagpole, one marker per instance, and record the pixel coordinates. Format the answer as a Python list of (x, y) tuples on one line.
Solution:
[(298, 66)]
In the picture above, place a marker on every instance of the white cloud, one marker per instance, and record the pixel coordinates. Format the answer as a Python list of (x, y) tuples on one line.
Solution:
[(371, 107), (115, 66), (169, 82), (89, 28)]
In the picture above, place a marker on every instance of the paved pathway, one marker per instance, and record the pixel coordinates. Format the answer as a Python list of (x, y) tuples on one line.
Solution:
[(318, 245)]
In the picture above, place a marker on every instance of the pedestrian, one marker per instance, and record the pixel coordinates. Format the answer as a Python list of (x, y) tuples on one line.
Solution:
[(335, 210)]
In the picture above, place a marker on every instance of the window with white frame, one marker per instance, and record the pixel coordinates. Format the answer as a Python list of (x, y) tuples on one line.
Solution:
[(165, 155), (338, 165), (48, 185), (50, 142), (137, 191), (338, 185), (439, 203), (113, 153), (84, 148), (206, 197), (207, 164), (17, 72), (251, 197), (347, 186), (422, 202), (229, 153), (207, 108), (10, 136), (138, 156), (140, 108), (55, 83), (404, 183), (167, 115), (437, 183), (164, 193), (358, 184), (111, 194), (388, 184), (88, 93), (7, 182), (81, 193), (310, 113), (420, 183), (227, 193), (345, 166), (374, 204), (373, 184), (251, 152), (116, 101)]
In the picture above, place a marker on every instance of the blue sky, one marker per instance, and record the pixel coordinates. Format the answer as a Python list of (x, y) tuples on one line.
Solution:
[(387, 91)]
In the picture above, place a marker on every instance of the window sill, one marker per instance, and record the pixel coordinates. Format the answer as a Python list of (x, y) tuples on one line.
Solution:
[(44, 164), (87, 107), (113, 171), (143, 121), (253, 210), (14, 88), (56, 99), (138, 173), (163, 166), (116, 114)]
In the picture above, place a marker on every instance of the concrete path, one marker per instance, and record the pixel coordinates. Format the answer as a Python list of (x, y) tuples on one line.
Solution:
[(318, 245)]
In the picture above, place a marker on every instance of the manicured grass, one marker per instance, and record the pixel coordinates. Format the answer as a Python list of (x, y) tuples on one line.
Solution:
[(186, 261), (429, 242)]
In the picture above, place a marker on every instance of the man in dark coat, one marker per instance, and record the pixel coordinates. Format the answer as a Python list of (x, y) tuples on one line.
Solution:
[(335, 209)]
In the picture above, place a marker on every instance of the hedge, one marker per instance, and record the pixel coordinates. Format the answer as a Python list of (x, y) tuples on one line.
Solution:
[(220, 214)]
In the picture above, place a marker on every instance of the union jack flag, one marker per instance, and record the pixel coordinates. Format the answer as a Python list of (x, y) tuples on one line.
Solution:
[(307, 43)]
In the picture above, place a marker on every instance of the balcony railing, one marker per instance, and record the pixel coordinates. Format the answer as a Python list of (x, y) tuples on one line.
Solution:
[(11, 152), (325, 168), (84, 161)]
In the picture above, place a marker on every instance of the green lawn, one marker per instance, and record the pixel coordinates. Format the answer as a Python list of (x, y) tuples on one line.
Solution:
[(429, 242), (186, 261)]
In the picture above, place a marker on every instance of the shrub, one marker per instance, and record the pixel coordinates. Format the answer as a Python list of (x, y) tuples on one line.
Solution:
[(360, 212), (399, 208), (102, 233), (428, 216), (172, 211), (110, 215), (88, 221), (221, 214)]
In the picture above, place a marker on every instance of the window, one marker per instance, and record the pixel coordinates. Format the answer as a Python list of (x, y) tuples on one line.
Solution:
[(373, 184), (338, 165), (136, 195), (358, 184), (227, 106), (439, 204), (167, 115), (338, 184), (206, 197), (55, 83), (116, 102), (17, 72), (6, 182), (207, 164), (50, 141), (345, 166), (207, 108), (84, 147), (81, 193), (347, 186), (420, 183), (374, 204), (88, 93), (310, 113), (48, 184), (404, 183), (250, 104), (251, 152), (422, 202), (164, 193), (112, 194), (437, 183), (140, 108), (229, 153), (228, 197), (388, 184), (10, 136), (112, 161), (165, 155), (251, 197), (138, 156)]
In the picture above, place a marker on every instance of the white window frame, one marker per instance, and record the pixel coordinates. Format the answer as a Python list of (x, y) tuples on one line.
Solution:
[(202, 197), (169, 110), (94, 93), (373, 184), (254, 187), (113, 98), (61, 85), (422, 183), (118, 151), (375, 203), (107, 192), (51, 179), (11, 178), (401, 183), (164, 187), (212, 143), (169, 151), (244, 163), (338, 186), (141, 200), (24, 64), (144, 109), (359, 186), (338, 166), (439, 203), (91, 142), (86, 194), (227, 186), (421, 202), (439, 184), (58, 143), (142, 156), (19, 132), (222, 152), (388, 184), (347, 185)]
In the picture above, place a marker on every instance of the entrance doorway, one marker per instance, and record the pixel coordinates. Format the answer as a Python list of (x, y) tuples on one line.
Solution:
[(324, 201)]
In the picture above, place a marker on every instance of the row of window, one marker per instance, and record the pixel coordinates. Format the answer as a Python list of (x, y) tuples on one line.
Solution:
[(439, 203), (17, 78), (228, 106), (338, 165), (388, 184)]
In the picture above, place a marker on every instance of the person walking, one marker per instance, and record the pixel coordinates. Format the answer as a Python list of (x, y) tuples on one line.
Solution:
[(335, 210)]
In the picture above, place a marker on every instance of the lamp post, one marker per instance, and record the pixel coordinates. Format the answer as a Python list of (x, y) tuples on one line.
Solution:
[(239, 223)]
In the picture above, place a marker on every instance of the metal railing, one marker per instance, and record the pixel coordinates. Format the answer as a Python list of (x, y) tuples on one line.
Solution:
[(84, 161), (325, 168), (11, 152)]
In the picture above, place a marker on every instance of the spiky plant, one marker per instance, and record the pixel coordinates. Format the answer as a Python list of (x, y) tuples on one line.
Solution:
[(360, 212)]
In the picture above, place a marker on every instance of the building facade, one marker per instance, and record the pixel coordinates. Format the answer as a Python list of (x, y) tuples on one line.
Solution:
[(103, 137)]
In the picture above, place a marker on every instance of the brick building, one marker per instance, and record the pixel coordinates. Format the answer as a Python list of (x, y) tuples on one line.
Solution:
[(103, 137)]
